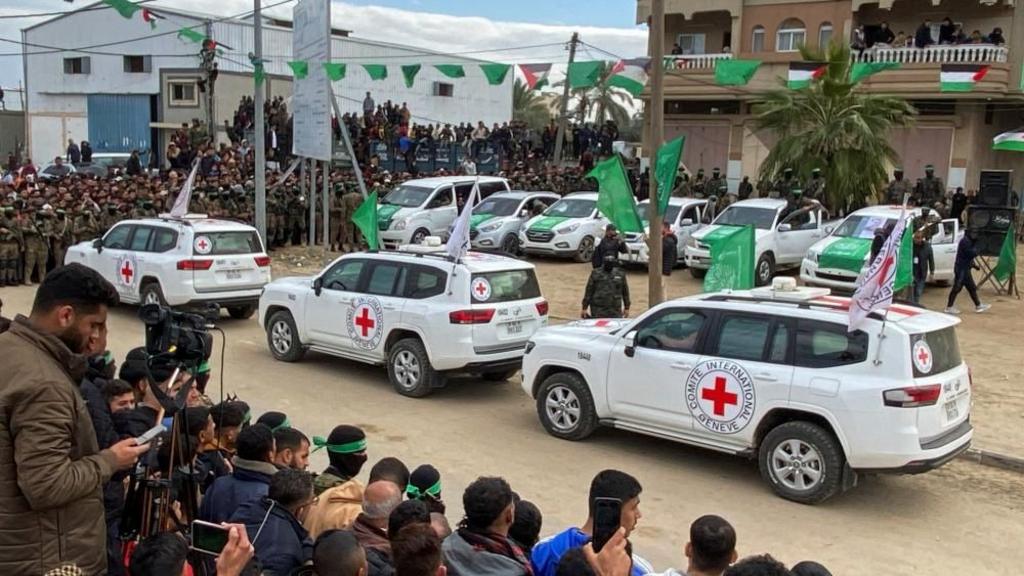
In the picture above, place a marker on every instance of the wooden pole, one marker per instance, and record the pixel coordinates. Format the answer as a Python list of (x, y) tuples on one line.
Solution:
[(656, 41), (563, 114)]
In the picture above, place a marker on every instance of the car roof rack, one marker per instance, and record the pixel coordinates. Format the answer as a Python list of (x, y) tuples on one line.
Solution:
[(187, 219), (811, 304)]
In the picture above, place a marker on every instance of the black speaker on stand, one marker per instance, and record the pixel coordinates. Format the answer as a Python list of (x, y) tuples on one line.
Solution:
[(989, 226), (996, 189)]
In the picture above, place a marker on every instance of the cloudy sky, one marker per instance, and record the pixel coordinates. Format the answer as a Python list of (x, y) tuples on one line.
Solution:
[(442, 25)]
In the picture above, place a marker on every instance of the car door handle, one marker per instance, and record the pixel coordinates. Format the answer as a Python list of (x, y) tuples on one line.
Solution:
[(389, 307), (682, 366), (766, 377)]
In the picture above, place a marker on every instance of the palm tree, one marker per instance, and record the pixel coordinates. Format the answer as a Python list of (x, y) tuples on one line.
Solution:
[(599, 102), (528, 107), (832, 126)]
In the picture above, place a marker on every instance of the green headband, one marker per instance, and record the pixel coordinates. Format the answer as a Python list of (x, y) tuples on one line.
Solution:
[(203, 368), (350, 448), (286, 424), (108, 358), (248, 417), (415, 492)]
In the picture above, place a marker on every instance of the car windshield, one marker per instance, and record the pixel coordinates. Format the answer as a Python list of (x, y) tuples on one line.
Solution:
[(862, 226), (497, 206), (761, 218), (227, 243), (671, 213), (408, 196), (110, 161), (572, 208)]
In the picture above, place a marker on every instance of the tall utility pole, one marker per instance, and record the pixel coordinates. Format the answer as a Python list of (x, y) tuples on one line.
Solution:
[(656, 114), (563, 113), (261, 147)]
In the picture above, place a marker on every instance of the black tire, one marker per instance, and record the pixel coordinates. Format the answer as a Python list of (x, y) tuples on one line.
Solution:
[(585, 251), (150, 293), (499, 376), (409, 369), (572, 391), (698, 273), (281, 329), (419, 235), (765, 270), (828, 462), (510, 245), (242, 312)]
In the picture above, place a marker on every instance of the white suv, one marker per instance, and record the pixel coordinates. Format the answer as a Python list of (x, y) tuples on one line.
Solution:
[(571, 227), (413, 310), (427, 207), (684, 215), (768, 374), (181, 262)]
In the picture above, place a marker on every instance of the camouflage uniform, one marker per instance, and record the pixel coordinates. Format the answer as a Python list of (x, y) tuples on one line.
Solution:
[(697, 188), (281, 217), (86, 226), (897, 189), (784, 187), (35, 232), (198, 205), (60, 238), (684, 189), (607, 293), (815, 189), (297, 211), (107, 219), (932, 190), (352, 237), (717, 186), (338, 218), (10, 249)]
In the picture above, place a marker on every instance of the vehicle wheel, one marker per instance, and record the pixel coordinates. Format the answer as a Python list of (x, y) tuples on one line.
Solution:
[(586, 250), (499, 376), (283, 338), (765, 270), (802, 461), (410, 371), (510, 245), (698, 273), (150, 293), (242, 312), (565, 406), (419, 235)]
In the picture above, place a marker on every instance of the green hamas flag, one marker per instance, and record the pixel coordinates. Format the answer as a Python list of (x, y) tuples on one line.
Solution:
[(845, 254), (123, 7), (1007, 265), (334, 71), (585, 74), (495, 73), (615, 197), (300, 68), (259, 74), (365, 218), (905, 264), (191, 35), (376, 71), (409, 72), (451, 70), (861, 70), (547, 223), (732, 259), (666, 166), (735, 72)]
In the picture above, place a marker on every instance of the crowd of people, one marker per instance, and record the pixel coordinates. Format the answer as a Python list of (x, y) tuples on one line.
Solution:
[(73, 466), (949, 34)]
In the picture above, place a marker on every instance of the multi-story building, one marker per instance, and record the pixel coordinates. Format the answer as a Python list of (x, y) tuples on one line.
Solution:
[(91, 75), (953, 130)]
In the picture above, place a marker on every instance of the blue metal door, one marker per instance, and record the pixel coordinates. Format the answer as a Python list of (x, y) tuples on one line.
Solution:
[(120, 123)]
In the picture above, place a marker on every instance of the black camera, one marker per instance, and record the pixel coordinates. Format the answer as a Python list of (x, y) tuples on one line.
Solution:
[(179, 336)]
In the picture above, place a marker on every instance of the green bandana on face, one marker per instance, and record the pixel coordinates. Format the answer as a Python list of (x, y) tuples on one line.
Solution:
[(415, 492), (350, 448)]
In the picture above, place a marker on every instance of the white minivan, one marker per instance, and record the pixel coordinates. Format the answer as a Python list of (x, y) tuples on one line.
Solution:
[(416, 209)]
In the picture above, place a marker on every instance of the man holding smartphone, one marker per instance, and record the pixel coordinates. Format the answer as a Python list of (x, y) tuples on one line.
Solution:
[(51, 469)]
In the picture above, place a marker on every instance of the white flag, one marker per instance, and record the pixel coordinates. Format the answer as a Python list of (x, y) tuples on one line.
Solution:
[(458, 244), (181, 203), (875, 288)]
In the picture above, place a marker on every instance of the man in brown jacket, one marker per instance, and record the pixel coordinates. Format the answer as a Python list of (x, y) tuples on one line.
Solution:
[(51, 472)]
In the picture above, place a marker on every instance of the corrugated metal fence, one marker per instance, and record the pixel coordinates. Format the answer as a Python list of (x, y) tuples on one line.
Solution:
[(120, 123)]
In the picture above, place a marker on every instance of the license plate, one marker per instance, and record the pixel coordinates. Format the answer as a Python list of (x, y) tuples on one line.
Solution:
[(234, 274), (952, 412), (512, 328)]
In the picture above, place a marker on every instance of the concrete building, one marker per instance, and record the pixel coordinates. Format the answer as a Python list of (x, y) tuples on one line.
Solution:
[(121, 86), (954, 131)]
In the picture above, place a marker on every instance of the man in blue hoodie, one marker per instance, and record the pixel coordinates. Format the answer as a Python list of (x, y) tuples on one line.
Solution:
[(253, 469), (607, 484), (274, 523)]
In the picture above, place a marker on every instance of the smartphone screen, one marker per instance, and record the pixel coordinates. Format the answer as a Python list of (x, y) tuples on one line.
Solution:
[(607, 518), (208, 538)]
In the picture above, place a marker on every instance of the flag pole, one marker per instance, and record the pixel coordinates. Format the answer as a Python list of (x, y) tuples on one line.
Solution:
[(885, 315), (656, 116)]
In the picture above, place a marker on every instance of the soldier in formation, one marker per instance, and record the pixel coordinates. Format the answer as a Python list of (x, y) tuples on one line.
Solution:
[(607, 292)]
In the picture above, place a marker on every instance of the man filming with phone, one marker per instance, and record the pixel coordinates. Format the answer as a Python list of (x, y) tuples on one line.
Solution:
[(51, 470)]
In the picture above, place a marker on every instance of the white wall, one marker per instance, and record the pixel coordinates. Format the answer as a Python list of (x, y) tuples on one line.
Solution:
[(53, 120)]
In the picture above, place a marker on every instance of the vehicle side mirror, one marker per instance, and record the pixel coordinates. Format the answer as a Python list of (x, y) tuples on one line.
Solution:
[(686, 222), (829, 229), (785, 227), (524, 213), (318, 285), (630, 349), (98, 245)]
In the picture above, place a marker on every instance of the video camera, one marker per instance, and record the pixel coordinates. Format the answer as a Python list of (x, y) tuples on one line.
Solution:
[(178, 336)]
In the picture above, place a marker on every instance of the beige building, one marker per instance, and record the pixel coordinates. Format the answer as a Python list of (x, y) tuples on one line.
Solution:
[(953, 131)]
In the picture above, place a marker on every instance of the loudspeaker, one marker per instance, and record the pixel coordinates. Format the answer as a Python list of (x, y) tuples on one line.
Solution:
[(996, 188), (989, 226)]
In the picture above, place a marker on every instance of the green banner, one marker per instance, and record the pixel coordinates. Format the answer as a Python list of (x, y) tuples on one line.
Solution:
[(735, 72), (585, 74), (191, 35), (666, 166), (366, 218), (846, 254), (861, 70), (495, 72), (123, 7), (409, 72), (451, 70), (478, 219), (732, 259), (721, 231), (905, 264), (615, 198), (547, 223), (1007, 264), (300, 68), (385, 213), (334, 71), (376, 71)]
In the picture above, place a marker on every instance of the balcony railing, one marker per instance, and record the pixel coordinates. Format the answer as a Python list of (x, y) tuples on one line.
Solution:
[(695, 61), (959, 54)]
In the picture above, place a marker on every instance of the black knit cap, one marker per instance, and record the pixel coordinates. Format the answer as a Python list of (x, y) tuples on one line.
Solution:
[(424, 480), (133, 368)]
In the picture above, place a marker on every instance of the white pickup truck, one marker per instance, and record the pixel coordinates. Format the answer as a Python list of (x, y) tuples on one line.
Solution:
[(781, 239)]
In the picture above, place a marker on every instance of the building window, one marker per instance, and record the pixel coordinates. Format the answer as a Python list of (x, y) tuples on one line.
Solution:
[(444, 89), (691, 43), (757, 39), (182, 93), (824, 35), (78, 65), (790, 36), (137, 64)]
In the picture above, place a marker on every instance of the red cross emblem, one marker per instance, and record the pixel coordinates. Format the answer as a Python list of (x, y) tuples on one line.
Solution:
[(202, 244), (719, 396), (923, 356), (364, 322), (126, 272), (481, 289)]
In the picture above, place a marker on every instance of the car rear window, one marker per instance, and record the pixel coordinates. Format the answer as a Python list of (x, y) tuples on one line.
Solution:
[(228, 243), (945, 351), (510, 285)]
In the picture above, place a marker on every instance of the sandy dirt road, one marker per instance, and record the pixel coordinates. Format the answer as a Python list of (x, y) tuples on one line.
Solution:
[(963, 518)]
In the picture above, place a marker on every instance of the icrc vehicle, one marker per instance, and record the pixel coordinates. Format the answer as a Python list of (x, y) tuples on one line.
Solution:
[(570, 228), (413, 310), (771, 374)]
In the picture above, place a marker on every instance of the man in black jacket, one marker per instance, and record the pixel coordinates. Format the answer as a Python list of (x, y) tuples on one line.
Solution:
[(669, 249), (610, 245)]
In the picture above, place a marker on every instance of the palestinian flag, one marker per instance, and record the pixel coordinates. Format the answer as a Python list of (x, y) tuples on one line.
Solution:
[(1012, 141), (961, 77), (536, 75), (630, 75), (151, 17), (801, 74)]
